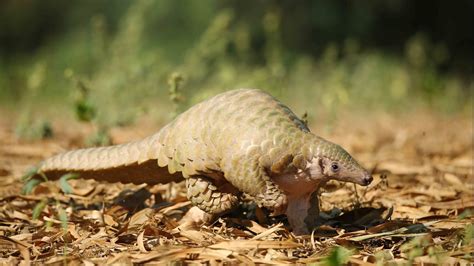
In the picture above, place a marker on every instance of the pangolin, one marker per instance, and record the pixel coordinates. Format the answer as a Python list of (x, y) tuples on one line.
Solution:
[(240, 141)]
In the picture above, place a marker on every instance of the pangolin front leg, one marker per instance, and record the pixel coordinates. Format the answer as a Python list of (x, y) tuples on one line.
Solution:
[(303, 212), (249, 177)]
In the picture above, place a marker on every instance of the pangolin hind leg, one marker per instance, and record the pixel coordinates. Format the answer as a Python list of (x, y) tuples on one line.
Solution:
[(214, 199), (272, 197)]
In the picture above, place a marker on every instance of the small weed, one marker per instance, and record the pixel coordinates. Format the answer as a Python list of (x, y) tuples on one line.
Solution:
[(338, 256), (30, 185), (99, 138), (39, 207), (64, 185), (84, 110), (468, 236), (33, 130), (62, 215), (415, 248), (87, 112), (30, 182), (383, 256), (466, 214), (175, 82)]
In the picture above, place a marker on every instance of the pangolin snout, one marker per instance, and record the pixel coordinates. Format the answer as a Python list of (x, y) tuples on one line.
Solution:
[(367, 179)]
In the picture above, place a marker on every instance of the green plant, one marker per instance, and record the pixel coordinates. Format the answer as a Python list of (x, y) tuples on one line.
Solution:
[(30, 129), (124, 65), (415, 248), (468, 236), (338, 256), (100, 137), (39, 207), (85, 111), (175, 82)]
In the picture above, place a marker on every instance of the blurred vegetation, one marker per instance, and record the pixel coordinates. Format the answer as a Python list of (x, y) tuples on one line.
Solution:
[(109, 62)]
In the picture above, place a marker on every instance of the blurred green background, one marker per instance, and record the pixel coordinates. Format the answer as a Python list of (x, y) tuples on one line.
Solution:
[(110, 62)]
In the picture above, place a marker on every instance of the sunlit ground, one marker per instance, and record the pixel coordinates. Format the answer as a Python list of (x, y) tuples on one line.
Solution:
[(418, 209)]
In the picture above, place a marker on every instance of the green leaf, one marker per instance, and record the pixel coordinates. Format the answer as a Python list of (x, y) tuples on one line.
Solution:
[(85, 111), (62, 215), (338, 256), (466, 214), (39, 208), (64, 185), (45, 130), (34, 129), (32, 179), (415, 247), (30, 173), (99, 138), (30, 185), (468, 237)]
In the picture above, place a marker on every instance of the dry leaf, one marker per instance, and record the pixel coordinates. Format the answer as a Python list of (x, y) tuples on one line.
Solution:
[(254, 244), (268, 232), (196, 236), (140, 218), (140, 242)]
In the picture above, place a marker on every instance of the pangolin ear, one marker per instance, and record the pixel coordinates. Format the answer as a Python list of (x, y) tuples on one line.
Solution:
[(322, 165), (316, 168)]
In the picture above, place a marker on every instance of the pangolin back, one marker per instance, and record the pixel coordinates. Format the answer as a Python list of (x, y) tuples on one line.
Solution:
[(194, 143)]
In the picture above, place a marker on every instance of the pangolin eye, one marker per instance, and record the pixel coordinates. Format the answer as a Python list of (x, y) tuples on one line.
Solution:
[(334, 167)]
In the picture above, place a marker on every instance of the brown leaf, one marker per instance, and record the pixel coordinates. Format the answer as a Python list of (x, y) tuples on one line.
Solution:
[(140, 242), (175, 206), (411, 212), (463, 203), (171, 255), (254, 244), (20, 216), (81, 187), (400, 168), (140, 218), (109, 220), (196, 236), (23, 247), (268, 232)]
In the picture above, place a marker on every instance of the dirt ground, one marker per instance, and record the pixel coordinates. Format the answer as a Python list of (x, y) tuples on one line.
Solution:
[(420, 207)]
